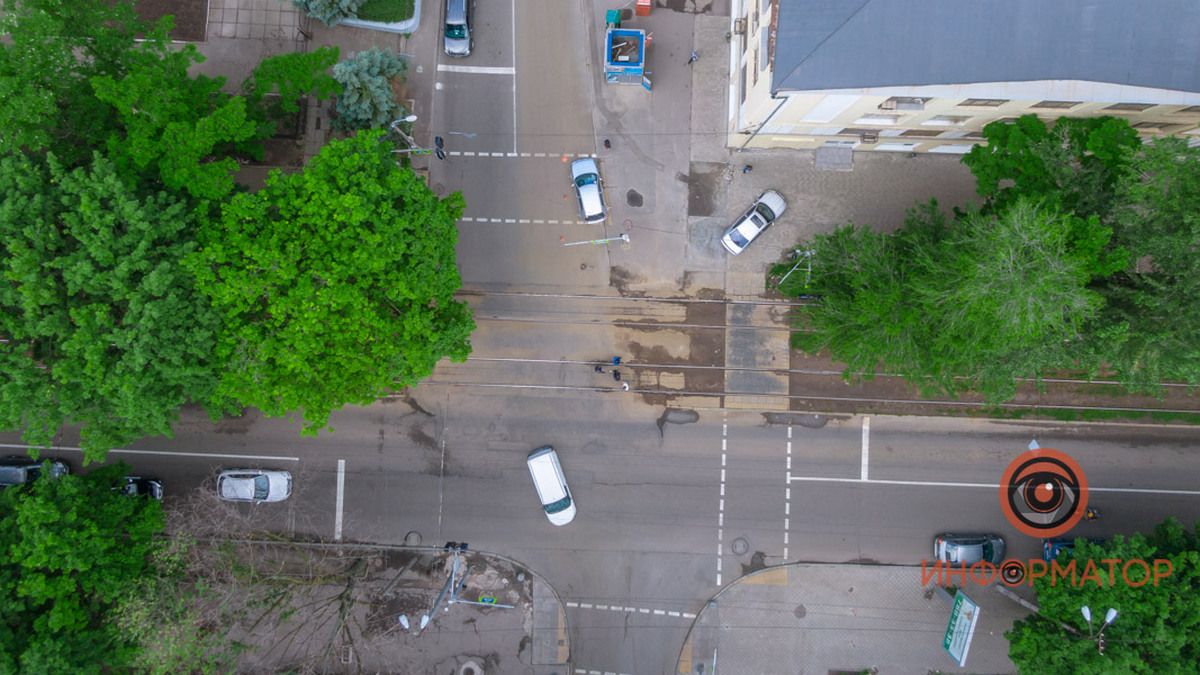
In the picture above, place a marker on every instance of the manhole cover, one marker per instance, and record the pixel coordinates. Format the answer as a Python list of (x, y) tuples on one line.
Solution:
[(740, 546), (633, 198), (413, 538), (800, 611)]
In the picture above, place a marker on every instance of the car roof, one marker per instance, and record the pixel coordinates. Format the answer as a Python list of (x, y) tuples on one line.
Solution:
[(774, 201), (583, 166)]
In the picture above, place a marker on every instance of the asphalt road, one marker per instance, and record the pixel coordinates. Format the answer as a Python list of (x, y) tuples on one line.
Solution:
[(671, 504)]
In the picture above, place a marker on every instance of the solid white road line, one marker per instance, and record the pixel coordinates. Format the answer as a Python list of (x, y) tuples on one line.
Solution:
[(166, 453), (721, 503), (341, 488), (479, 70), (787, 499), (866, 445), (513, 32), (990, 486)]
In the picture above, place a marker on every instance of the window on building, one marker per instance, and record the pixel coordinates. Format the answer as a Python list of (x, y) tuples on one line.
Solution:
[(1056, 105), (984, 102), (743, 84), (897, 147), (857, 131), (1130, 107), (1193, 109), (945, 121), (876, 118), (974, 135), (1154, 126), (754, 72), (924, 133), (904, 103)]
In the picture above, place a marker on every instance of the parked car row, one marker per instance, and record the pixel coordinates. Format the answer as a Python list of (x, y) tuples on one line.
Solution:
[(235, 485)]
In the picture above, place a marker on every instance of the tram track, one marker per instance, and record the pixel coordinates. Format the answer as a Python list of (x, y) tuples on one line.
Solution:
[(679, 347)]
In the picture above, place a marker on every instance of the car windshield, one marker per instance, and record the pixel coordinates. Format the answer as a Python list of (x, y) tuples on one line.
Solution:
[(586, 179), (11, 475), (737, 238), (765, 212), (456, 31), (988, 550), (560, 505), (261, 487)]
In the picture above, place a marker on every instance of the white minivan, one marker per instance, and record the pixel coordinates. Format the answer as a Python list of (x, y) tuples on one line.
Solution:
[(551, 485)]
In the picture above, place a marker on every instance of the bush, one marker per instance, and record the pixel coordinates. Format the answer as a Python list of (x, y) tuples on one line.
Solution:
[(367, 101), (329, 12)]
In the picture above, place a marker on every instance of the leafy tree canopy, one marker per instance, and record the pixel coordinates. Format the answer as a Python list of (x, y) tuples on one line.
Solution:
[(52, 51), (1150, 330), (335, 284), (1156, 627), (103, 325), (1073, 164), (992, 298), (70, 549), (291, 76)]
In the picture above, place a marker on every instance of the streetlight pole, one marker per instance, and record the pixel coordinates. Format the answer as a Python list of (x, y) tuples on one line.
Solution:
[(623, 237), (1098, 636)]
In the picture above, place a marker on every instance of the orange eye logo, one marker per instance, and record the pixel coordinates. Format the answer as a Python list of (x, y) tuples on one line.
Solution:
[(1043, 493)]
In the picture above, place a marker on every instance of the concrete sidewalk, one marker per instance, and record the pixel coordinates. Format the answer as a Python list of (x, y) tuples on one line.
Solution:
[(813, 618)]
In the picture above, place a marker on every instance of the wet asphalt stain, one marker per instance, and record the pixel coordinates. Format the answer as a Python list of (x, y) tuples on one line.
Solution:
[(758, 561), (706, 347), (620, 278), (706, 187), (416, 407), (633, 198), (676, 416), (237, 425), (417, 435)]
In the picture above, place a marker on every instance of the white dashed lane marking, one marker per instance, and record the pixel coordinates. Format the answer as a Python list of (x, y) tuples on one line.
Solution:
[(582, 671), (520, 221), (630, 610), (519, 155)]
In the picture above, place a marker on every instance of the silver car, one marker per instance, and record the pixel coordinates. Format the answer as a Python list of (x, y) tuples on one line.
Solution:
[(585, 173), (765, 210), (457, 39), (968, 549), (254, 485)]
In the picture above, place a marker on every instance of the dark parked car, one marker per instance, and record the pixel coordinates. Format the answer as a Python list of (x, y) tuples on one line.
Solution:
[(968, 549), (136, 486), (19, 469), (1052, 547)]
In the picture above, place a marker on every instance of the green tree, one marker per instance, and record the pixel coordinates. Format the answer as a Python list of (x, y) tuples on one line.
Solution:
[(974, 304), (367, 99), (104, 327), (71, 549), (1150, 330), (181, 130), (1073, 164), (52, 50), (336, 284), (289, 77), (1155, 630)]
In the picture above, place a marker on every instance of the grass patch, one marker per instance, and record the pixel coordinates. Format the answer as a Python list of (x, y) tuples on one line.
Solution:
[(386, 11)]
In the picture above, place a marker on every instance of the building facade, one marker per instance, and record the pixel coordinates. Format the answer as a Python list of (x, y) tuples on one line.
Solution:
[(927, 75)]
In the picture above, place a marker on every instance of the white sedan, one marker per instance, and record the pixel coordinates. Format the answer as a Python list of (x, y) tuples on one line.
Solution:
[(585, 173), (766, 209), (254, 485)]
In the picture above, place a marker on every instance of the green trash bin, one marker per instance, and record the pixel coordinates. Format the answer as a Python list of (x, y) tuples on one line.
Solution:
[(613, 18)]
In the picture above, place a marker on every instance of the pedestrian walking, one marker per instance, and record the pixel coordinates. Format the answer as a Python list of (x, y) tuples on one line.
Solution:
[(617, 375), (616, 361), (599, 368), (607, 144), (694, 57), (748, 168), (625, 386)]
